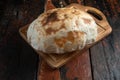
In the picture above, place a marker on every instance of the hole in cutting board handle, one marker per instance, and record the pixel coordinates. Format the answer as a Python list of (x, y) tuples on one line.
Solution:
[(95, 14)]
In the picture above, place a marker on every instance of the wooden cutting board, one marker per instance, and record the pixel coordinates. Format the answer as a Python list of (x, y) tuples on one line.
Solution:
[(55, 60)]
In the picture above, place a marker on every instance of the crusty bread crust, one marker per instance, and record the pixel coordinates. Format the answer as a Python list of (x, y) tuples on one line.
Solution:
[(62, 30)]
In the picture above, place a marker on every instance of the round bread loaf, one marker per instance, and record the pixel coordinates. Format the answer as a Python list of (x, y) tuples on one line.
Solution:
[(62, 30)]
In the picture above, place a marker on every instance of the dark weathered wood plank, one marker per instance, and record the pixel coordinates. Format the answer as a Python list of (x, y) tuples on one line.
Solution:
[(17, 60), (45, 72), (99, 65), (106, 58), (78, 68)]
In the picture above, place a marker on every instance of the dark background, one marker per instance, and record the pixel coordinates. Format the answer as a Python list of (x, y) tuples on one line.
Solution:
[(19, 62)]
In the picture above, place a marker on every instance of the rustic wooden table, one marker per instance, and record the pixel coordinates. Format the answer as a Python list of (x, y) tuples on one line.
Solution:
[(19, 62)]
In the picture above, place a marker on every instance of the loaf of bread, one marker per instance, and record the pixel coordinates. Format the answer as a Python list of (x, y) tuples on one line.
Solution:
[(62, 30)]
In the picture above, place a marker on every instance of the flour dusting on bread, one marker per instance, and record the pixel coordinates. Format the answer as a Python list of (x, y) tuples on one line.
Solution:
[(62, 30)]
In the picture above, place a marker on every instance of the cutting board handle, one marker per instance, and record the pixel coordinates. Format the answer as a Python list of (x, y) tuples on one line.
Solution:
[(97, 14)]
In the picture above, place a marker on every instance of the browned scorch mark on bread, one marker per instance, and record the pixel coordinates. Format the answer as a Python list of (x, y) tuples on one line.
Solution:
[(71, 36), (51, 30), (51, 17)]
